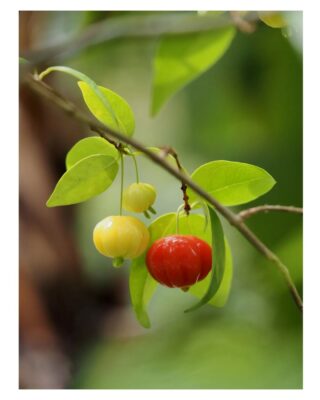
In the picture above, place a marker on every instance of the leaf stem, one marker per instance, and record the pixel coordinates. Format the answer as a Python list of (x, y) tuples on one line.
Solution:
[(136, 167), (121, 181), (180, 208)]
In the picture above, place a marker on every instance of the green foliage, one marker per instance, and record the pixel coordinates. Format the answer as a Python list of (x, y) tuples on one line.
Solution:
[(88, 147), (82, 77), (85, 179), (182, 58), (107, 106), (124, 118), (232, 183), (92, 162), (222, 294), (218, 261), (142, 285)]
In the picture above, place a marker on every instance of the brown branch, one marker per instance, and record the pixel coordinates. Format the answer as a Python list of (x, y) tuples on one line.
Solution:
[(169, 150), (106, 132), (241, 23), (150, 25), (245, 214)]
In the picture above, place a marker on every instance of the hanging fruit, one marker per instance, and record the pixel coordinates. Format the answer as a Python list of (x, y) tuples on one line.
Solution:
[(121, 237), (179, 260)]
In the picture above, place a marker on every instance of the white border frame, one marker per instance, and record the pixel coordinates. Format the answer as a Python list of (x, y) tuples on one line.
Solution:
[(9, 232)]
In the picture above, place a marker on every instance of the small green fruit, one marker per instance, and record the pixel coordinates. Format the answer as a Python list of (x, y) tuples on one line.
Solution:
[(138, 197)]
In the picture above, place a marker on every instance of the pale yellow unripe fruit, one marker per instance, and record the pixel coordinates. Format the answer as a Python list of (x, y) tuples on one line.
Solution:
[(138, 197), (273, 19), (121, 237)]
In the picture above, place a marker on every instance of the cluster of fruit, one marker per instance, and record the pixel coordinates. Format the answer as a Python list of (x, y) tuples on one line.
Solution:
[(174, 261)]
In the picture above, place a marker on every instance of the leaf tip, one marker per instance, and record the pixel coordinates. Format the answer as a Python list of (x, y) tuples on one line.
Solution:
[(272, 181), (144, 320), (52, 201), (49, 203), (194, 307)]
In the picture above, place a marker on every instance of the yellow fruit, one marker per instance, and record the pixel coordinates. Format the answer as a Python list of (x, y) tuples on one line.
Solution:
[(138, 197), (121, 237)]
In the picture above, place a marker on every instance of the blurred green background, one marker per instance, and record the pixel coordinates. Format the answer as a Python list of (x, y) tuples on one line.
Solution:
[(248, 108)]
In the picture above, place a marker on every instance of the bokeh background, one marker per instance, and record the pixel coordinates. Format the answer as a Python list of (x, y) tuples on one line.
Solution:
[(77, 329)]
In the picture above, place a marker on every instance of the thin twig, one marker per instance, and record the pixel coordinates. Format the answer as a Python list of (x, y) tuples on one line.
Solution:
[(169, 150), (241, 23), (143, 25), (245, 214), (105, 132)]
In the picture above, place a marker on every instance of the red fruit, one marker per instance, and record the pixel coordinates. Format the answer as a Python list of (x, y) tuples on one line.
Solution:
[(179, 260)]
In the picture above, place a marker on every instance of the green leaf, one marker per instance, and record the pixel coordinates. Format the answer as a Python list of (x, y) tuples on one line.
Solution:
[(232, 183), (87, 178), (166, 224), (218, 261), (108, 107), (222, 294), (142, 285), (82, 77), (124, 116), (182, 58), (88, 147)]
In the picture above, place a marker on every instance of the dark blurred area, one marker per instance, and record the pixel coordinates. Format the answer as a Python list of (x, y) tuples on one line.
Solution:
[(77, 329)]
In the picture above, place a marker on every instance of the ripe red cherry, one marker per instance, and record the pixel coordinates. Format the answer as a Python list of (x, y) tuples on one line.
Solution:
[(179, 260)]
